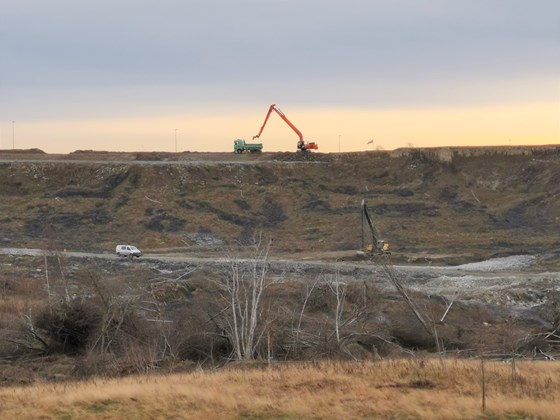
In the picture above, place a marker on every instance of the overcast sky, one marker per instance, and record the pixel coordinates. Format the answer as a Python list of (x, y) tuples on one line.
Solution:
[(99, 74)]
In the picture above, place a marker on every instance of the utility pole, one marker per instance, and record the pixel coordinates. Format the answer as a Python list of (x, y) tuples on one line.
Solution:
[(175, 140), (13, 135), (339, 143)]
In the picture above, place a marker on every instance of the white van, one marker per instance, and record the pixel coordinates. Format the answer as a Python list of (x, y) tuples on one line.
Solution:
[(128, 251)]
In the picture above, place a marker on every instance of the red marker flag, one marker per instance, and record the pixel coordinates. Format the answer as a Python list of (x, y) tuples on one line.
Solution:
[(369, 142)]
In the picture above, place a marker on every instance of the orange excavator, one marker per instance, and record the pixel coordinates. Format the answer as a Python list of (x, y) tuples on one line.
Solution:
[(301, 144)]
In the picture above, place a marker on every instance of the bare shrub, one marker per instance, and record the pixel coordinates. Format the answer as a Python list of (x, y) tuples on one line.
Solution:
[(409, 333), (242, 288), (334, 315), (194, 333), (273, 214), (69, 326), (94, 363)]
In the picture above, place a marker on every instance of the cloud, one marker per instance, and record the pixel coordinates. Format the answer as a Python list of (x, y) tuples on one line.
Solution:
[(142, 57), (107, 43)]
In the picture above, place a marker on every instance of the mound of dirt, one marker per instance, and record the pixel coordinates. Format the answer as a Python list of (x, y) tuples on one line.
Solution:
[(511, 263)]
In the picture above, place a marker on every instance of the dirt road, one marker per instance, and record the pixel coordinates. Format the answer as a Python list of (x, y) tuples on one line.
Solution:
[(497, 280)]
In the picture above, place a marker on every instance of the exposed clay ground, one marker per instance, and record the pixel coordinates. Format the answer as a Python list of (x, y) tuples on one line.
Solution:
[(444, 206)]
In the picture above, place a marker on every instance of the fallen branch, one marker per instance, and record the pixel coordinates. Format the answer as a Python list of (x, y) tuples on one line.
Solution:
[(475, 197), (152, 200)]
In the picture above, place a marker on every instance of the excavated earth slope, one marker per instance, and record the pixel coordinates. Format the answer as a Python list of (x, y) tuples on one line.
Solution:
[(448, 205)]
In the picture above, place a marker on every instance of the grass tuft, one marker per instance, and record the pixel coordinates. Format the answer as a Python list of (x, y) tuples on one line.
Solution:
[(393, 388)]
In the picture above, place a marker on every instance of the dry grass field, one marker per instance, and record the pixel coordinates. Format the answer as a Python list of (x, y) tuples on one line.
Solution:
[(425, 388)]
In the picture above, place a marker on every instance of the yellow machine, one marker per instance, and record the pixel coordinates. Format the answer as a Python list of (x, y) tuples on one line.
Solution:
[(376, 246)]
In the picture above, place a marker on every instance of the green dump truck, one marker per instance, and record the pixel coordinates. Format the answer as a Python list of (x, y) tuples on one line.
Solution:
[(240, 145)]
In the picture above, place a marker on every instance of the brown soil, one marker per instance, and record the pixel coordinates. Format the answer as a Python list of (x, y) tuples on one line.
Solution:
[(436, 205)]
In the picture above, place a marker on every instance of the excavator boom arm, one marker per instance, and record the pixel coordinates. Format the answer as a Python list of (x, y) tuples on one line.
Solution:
[(378, 245), (279, 112), (365, 214), (264, 123)]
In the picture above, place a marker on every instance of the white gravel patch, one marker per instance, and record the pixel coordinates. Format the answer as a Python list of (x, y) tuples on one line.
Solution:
[(468, 282), (514, 262)]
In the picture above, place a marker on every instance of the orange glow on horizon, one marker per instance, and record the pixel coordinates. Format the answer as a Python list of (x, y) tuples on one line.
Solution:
[(349, 129)]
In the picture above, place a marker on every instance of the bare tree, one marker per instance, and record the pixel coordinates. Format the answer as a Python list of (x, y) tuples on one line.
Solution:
[(339, 290), (242, 290), (352, 309), (298, 342)]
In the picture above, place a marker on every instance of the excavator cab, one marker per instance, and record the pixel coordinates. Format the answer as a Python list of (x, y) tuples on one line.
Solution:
[(301, 145), (381, 247), (377, 246)]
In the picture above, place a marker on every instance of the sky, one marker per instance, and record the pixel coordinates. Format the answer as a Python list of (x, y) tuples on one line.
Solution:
[(184, 75)]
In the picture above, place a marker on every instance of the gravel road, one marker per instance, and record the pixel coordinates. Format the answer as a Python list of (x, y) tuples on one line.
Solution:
[(491, 278)]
